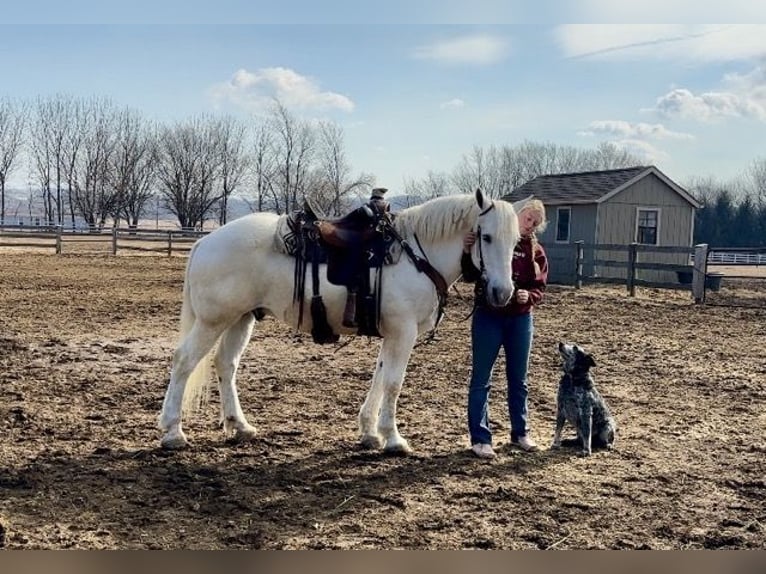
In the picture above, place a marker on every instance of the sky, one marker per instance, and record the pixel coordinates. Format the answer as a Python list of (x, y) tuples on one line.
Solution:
[(417, 85)]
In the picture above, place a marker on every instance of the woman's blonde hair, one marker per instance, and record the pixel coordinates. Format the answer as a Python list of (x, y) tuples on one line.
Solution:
[(537, 206)]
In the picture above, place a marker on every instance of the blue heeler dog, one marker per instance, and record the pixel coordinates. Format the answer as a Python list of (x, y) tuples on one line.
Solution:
[(580, 404)]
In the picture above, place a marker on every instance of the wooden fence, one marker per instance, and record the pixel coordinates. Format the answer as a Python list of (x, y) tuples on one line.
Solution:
[(167, 242), (24, 236), (684, 268), (587, 264)]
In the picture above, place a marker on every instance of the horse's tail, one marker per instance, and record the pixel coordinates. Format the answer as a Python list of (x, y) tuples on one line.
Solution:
[(199, 378)]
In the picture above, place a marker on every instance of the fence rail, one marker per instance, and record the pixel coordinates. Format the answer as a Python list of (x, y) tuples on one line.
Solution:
[(729, 256), (172, 240), (684, 268), (634, 265), (120, 238)]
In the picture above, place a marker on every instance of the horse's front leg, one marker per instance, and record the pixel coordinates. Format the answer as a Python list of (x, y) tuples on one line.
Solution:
[(368, 414), (230, 349), (394, 356)]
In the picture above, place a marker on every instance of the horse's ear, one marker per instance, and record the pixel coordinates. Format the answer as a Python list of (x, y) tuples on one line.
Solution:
[(480, 199)]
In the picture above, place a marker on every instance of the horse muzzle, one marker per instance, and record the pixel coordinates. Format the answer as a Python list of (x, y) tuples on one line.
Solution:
[(499, 296)]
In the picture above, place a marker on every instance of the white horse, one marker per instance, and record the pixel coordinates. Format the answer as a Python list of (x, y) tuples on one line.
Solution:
[(236, 270)]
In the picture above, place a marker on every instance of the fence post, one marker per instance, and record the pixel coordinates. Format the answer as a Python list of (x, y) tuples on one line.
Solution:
[(114, 240), (699, 272), (631, 280), (170, 243), (58, 239), (579, 256)]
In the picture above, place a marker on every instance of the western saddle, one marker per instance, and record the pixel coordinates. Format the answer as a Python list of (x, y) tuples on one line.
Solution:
[(350, 246)]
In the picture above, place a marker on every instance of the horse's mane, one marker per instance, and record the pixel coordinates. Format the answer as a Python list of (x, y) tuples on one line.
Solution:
[(438, 218), (444, 216)]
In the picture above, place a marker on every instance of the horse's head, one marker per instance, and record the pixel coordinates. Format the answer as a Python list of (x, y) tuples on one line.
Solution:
[(497, 232)]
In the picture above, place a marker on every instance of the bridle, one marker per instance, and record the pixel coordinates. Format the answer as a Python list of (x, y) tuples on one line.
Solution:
[(482, 267)]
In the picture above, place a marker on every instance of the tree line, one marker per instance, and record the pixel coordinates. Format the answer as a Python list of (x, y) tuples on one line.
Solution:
[(733, 214), (92, 160)]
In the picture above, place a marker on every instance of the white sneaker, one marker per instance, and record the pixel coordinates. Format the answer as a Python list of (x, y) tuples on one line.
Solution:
[(483, 450), (526, 444)]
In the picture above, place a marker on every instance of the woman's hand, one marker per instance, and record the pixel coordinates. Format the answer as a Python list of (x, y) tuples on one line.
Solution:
[(522, 296), (468, 241)]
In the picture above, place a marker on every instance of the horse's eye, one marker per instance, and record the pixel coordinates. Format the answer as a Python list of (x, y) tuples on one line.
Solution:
[(487, 238)]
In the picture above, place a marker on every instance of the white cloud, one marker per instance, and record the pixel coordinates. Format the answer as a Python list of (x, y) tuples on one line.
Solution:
[(619, 42), (642, 150), (741, 96), (452, 104), (650, 11), (478, 49), (255, 91), (640, 130)]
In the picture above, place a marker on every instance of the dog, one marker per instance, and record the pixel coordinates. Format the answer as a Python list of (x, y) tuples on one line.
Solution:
[(580, 404)]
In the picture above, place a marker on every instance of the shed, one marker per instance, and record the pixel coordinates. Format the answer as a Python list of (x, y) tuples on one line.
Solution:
[(613, 207)]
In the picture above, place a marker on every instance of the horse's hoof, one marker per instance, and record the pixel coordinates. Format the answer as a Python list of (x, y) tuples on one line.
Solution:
[(371, 442), (174, 442), (398, 449), (245, 434)]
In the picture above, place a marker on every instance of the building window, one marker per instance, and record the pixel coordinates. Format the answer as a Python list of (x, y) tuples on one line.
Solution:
[(563, 215), (646, 226)]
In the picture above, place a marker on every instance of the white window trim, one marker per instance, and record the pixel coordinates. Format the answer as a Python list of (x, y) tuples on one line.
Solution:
[(659, 224), (569, 226)]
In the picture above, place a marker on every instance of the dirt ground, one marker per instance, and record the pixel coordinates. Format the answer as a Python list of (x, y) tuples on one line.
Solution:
[(85, 350)]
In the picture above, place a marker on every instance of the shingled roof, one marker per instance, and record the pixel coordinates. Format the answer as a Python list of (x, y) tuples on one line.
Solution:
[(588, 186)]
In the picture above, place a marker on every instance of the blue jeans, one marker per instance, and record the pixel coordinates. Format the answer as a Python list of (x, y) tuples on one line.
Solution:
[(489, 332)]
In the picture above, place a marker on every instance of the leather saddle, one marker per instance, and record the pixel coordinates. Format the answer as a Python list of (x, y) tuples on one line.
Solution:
[(350, 246)]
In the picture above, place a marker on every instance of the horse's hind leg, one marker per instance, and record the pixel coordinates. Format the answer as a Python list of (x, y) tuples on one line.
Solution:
[(194, 347), (230, 349)]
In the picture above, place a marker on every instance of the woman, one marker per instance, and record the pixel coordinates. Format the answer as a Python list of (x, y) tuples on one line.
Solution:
[(511, 327)]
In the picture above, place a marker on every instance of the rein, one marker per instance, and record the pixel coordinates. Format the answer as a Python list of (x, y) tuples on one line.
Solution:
[(423, 266)]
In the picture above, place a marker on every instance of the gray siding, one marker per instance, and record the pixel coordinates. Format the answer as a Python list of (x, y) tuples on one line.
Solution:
[(561, 254), (617, 224), (614, 222)]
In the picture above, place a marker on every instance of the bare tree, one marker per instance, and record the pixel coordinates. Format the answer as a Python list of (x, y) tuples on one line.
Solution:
[(264, 168), (133, 167), (93, 196), (293, 145), (234, 162), (480, 169), (188, 167), (609, 156), (500, 171), (756, 175), (334, 183), (56, 132), (434, 184), (13, 118)]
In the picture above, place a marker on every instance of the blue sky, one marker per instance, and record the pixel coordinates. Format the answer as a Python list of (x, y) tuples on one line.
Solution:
[(416, 85)]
